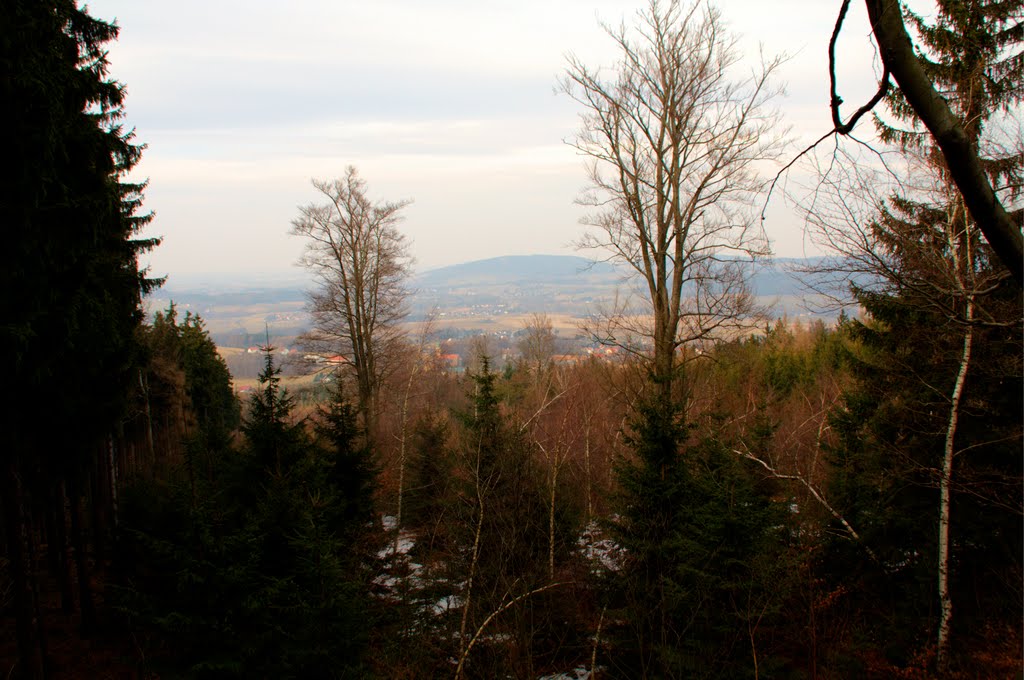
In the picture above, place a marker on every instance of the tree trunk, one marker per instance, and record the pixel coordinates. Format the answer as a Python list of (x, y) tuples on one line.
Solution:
[(150, 442), (402, 448), (85, 597), (49, 530), (463, 650), (587, 472), (897, 52), (67, 587), (551, 516), (945, 482), (664, 365), (112, 480), (31, 642)]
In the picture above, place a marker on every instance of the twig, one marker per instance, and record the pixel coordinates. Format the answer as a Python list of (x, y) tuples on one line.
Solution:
[(492, 615)]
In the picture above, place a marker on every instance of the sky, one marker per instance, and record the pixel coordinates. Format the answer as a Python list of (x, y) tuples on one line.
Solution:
[(449, 103)]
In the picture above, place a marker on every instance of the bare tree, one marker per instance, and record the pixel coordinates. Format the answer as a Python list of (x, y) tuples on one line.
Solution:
[(360, 262), (674, 134), (537, 344), (417, 360)]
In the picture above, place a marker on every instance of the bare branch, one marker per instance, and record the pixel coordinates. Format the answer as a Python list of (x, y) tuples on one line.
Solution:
[(673, 142), (505, 606), (361, 262)]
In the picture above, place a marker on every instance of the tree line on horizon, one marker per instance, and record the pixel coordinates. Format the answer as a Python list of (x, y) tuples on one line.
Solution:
[(730, 497)]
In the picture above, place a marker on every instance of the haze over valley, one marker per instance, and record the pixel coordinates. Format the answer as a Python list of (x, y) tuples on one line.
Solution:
[(475, 295), (496, 296)]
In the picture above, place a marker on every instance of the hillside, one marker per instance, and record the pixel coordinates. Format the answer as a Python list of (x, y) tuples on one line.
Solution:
[(513, 269), (240, 309)]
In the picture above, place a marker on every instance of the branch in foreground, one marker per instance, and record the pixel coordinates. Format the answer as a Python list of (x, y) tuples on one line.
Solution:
[(505, 607), (819, 497)]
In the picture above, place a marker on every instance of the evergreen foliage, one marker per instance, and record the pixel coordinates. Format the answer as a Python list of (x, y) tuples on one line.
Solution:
[(262, 570), (71, 285), (71, 222), (891, 430), (505, 486), (945, 311), (704, 555), (350, 471), (253, 547), (207, 382), (428, 497), (502, 528), (181, 364), (972, 52)]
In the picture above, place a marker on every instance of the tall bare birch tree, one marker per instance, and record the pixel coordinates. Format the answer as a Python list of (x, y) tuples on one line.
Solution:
[(360, 263), (675, 133), (923, 246), (926, 254)]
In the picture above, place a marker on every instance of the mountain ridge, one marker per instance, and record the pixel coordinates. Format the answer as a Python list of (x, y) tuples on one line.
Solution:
[(478, 289)]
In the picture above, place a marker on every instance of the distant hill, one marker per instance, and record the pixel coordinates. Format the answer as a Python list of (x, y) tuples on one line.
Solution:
[(771, 277), (563, 284), (238, 305), (516, 269)]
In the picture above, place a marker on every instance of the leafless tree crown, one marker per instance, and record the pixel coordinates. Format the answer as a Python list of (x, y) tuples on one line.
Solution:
[(675, 134), (361, 264)]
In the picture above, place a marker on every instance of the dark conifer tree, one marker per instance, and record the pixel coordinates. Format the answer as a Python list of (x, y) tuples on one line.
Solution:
[(939, 374), (263, 569), (208, 384), (350, 470), (703, 554), (273, 441), (69, 269), (310, 520), (428, 498), (891, 435), (502, 529)]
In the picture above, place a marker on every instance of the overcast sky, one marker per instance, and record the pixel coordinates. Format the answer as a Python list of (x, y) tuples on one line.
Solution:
[(449, 103)]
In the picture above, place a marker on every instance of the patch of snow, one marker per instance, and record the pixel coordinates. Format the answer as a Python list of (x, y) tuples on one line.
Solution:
[(578, 673), (599, 549), (406, 542), (446, 604)]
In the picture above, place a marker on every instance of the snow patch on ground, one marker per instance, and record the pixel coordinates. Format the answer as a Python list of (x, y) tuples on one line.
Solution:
[(578, 673), (599, 549)]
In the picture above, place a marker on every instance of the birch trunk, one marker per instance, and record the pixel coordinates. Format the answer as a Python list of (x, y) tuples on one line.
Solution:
[(551, 519), (472, 565), (945, 481)]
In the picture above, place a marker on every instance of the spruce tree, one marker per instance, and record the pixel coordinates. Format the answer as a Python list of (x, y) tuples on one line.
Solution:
[(262, 569), (502, 531), (71, 219), (208, 383), (703, 555), (885, 480), (69, 269), (350, 473), (939, 374), (428, 498)]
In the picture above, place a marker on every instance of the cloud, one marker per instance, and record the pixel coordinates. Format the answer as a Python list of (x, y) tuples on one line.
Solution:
[(449, 102)]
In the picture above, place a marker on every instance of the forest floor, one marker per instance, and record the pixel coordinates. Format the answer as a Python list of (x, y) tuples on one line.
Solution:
[(107, 654)]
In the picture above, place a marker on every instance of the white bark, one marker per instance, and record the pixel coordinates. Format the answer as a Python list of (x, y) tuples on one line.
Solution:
[(490, 617), (945, 481), (473, 562), (404, 424), (818, 496)]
